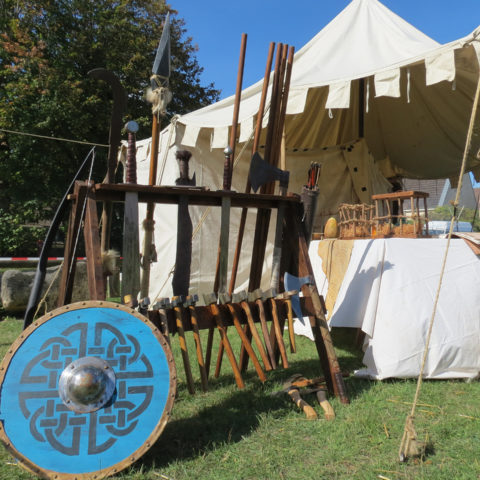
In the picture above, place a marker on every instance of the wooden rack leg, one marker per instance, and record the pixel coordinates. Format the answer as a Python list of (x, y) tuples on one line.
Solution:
[(277, 328), (208, 353), (256, 336), (183, 348), (198, 346), (221, 349), (323, 340), (69, 261), (246, 343), (228, 348)]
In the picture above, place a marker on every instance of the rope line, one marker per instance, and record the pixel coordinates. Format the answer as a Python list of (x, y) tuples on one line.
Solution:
[(53, 138), (468, 144)]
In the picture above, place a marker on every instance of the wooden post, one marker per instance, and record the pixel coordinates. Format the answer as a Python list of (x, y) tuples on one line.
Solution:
[(69, 261)]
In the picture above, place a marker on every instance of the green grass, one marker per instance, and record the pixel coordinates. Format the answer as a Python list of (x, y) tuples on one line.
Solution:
[(229, 433)]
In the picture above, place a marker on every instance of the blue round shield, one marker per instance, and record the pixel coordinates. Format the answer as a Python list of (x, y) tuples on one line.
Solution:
[(85, 391)]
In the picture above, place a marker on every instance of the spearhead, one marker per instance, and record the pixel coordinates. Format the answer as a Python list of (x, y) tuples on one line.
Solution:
[(161, 65)]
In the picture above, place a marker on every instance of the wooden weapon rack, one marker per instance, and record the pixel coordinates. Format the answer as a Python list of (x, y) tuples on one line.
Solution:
[(183, 317)]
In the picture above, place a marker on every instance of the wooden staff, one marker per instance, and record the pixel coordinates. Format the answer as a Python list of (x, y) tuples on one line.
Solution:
[(256, 141), (263, 215)]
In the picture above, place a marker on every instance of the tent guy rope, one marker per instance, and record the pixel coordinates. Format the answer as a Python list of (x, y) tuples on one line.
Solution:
[(409, 446), (46, 137)]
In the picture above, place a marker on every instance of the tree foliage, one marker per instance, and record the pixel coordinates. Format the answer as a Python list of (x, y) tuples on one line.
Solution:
[(46, 49), (464, 215)]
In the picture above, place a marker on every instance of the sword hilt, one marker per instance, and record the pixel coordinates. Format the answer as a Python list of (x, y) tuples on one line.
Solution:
[(132, 129), (183, 157), (227, 173)]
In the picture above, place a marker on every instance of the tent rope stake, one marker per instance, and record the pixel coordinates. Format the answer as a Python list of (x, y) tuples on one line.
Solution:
[(409, 445)]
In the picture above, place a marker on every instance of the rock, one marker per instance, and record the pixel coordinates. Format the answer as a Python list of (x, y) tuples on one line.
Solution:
[(17, 284)]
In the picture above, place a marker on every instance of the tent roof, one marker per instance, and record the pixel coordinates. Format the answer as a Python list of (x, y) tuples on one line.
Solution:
[(406, 76)]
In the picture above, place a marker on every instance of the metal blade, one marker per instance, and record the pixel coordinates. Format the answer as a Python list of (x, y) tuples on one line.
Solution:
[(261, 172), (161, 65), (292, 282)]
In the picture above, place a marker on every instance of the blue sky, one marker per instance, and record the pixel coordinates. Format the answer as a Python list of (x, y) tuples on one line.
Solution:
[(216, 28)]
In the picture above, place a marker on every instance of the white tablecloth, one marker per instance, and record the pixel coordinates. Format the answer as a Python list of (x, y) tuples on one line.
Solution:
[(388, 291)]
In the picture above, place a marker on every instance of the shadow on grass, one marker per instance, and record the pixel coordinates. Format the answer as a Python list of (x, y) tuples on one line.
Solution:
[(239, 412), (228, 421)]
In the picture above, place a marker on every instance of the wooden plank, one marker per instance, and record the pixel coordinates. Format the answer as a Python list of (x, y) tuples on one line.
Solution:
[(131, 247), (96, 279), (401, 195), (197, 195)]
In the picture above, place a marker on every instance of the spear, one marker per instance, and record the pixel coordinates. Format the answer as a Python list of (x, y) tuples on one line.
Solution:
[(159, 96)]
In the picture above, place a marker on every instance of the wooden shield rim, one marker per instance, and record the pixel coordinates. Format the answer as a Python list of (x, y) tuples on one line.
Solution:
[(148, 443)]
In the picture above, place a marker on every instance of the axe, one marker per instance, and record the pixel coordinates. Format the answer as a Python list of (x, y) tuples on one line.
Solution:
[(293, 392), (314, 385), (292, 282), (261, 172), (131, 246)]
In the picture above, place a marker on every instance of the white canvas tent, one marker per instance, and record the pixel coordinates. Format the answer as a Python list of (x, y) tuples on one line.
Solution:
[(417, 99)]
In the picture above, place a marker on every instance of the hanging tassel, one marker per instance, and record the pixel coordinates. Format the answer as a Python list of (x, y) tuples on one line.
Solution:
[(408, 85), (367, 100), (160, 97)]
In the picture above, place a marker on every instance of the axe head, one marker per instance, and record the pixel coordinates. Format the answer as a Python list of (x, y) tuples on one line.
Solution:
[(255, 295), (209, 298), (270, 293), (178, 300), (261, 172), (239, 297), (292, 282), (224, 298)]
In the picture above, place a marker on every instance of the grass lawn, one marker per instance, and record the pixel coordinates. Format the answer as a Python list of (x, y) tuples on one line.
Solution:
[(251, 434)]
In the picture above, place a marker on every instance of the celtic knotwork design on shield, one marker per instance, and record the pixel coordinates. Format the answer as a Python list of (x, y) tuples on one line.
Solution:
[(73, 433)]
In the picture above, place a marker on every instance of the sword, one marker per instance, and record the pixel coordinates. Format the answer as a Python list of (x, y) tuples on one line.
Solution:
[(131, 248), (220, 284)]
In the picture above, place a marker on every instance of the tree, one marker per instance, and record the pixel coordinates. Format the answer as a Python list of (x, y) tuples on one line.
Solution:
[(46, 49), (464, 215)]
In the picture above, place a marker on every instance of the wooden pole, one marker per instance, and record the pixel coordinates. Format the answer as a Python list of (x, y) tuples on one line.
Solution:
[(256, 141), (222, 258)]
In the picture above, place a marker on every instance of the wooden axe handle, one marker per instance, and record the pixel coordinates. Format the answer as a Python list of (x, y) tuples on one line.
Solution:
[(301, 403)]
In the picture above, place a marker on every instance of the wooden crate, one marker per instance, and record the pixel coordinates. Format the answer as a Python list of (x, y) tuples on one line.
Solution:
[(356, 221), (394, 222)]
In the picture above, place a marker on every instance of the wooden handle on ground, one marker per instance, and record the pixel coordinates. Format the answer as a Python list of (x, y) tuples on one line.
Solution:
[(301, 403)]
